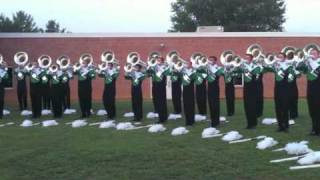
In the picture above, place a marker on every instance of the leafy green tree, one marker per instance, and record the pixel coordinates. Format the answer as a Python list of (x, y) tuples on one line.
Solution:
[(23, 22), (53, 26), (234, 15)]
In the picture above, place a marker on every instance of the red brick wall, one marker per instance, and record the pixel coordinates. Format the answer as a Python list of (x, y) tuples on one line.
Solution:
[(74, 47)]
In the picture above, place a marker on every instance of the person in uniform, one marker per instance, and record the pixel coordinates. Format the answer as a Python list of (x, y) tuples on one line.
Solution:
[(20, 73), (229, 90), (110, 74), (214, 72), (56, 90), (35, 73), (3, 77), (294, 93), (136, 76)]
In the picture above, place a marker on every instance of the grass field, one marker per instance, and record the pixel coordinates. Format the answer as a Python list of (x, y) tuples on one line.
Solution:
[(91, 153)]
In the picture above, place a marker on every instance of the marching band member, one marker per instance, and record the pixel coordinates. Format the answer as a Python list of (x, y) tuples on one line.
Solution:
[(109, 71), (259, 89), (176, 83), (44, 63), (3, 78), (229, 81), (188, 75), (201, 85), (67, 75), (214, 72), (56, 90), (135, 71), (21, 59), (86, 72), (251, 71), (158, 69), (294, 93)]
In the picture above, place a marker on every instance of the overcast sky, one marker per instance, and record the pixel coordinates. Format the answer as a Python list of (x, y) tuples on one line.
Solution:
[(137, 15)]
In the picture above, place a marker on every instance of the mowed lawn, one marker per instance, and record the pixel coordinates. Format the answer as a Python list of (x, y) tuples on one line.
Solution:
[(91, 153)]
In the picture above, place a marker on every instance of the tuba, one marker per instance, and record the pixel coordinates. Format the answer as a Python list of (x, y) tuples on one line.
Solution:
[(173, 57), (134, 59), (21, 58), (109, 57), (153, 59), (309, 47), (204, 61), (255, 50), (226, 58), (289, 51), (236, 61), (179, 65), (86, 59), (195, 58), (299, 55), (63, 62), (44, 61)]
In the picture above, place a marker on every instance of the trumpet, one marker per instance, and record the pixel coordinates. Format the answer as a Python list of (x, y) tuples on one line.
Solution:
[(63, 62), (134, 59), (21, 58), (44, 61)]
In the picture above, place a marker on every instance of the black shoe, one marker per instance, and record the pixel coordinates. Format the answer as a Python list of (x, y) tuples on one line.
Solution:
[(312, 133)]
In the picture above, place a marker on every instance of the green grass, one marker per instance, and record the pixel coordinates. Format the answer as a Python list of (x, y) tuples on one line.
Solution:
[(91, 153)]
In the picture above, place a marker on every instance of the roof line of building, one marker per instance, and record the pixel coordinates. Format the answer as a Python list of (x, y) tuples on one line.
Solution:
[(156, 35)]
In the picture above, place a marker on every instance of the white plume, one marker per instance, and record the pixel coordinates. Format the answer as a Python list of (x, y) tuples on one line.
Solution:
[(156, 128), (269, 121), (199, 118), (297, 148), (69, 111), (179, 131), (79, 123), (26, 123), (209, 132), (152, 115), (128, 115), (174, 116), (6, 112), (292, 122), (45, 112), (222, 118), (107, 124), (310, 158), (125, 126), (266, 143), (26, 113), (49, 123), (232, 136), (101, 112)]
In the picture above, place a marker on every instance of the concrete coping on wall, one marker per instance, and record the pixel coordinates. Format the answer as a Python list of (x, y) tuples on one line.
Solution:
[(156, 35)]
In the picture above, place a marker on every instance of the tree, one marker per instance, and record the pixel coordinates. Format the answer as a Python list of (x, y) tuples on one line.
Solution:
[(23, 22), (5, 24), (234, 15), (53, 26)]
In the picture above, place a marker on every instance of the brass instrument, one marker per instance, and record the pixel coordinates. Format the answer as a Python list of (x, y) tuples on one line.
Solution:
[(226, 58), (53, 68), (173, 57), (76, 67), (309, 47), (128, 68), (195, 58), (289, 51), (30, 66), (270, 59), (86, 59), (63, 62), (152, 59), (236, 61), (103, 66), (109, 57), (299, 55), (21, 58), (255, 50), (44, 61), (134, 59)]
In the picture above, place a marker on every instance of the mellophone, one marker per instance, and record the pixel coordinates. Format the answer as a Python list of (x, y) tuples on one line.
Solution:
[(198, 70)]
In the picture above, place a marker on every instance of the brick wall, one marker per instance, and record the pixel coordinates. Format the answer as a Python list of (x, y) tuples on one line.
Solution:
[(74, 47)]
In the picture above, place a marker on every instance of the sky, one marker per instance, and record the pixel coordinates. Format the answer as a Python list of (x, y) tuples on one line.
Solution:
[(136, 15)]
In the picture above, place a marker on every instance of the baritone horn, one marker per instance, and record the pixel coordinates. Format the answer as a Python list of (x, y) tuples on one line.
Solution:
[(289, 51), (21, 58), (134, 59), (309, 47), (86, 59), (109, 57), (44, 61), (173, 57), (153, 58), (53, 68), (299, 55), (255, 50), (63, 62), (226, 58), (270, 59), (128, 68)]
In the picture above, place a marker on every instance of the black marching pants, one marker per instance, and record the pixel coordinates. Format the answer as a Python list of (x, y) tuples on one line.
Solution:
[(22, 94), (201, 96), (109, 99), (84, 93), (230, 96), (46, 97), (214, 102), (57, 100), (189, 103), (250, 97), (260, 96), (36, 99), (136, 101), (160, 98), (293, 102), (66, 95), (176, 96), (2, 92), (313, 97), (154, 96), (282, 96)]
